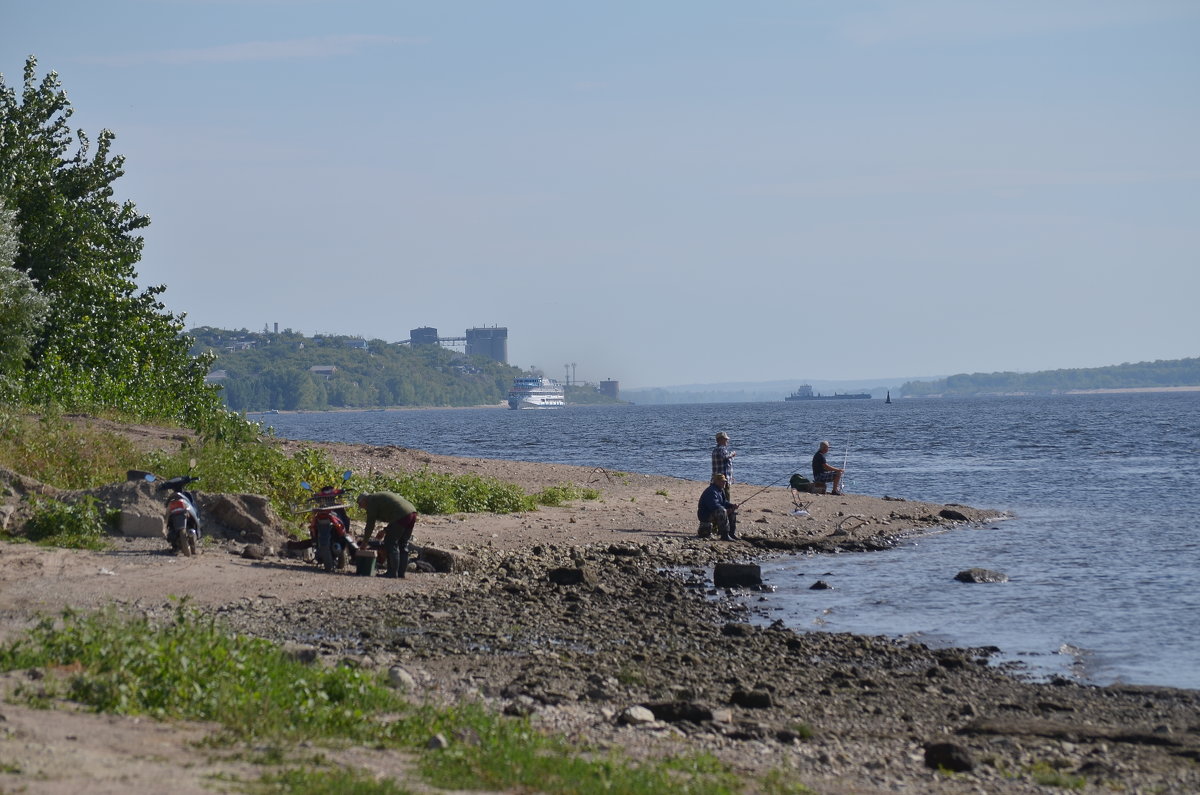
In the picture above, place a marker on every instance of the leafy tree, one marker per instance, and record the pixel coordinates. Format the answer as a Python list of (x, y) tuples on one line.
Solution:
[(22, 308), (105, 342)]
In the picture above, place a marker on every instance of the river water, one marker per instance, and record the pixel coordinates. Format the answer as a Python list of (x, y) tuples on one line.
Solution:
[(1103, 555)]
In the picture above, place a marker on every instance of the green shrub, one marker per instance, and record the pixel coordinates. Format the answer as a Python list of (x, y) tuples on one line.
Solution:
[(80, 525), (439, 493), (251, 467)]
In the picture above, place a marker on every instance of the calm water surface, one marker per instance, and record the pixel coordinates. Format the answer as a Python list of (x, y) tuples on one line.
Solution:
[(1104, 555)]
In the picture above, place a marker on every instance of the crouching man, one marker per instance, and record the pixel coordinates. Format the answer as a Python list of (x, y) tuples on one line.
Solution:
[(400, 516), (715, 509)]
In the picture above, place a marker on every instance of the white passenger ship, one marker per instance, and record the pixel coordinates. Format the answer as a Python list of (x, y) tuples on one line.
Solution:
[(536, 393)]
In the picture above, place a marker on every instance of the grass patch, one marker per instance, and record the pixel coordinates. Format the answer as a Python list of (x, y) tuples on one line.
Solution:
[(510, 754), (190, 668), (331, 780), (779, 782), (63, 454)]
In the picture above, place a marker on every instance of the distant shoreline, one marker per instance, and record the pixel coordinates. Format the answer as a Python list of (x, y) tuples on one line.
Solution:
[(1112, 391), (1132, 389), (344, 409), (504, 405)]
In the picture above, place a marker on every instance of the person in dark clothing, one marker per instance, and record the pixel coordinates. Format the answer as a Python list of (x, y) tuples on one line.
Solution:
[(824, 472), (400, 517), (714, 509)]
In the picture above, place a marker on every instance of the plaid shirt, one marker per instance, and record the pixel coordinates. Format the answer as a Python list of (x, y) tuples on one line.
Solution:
[(722, 462)]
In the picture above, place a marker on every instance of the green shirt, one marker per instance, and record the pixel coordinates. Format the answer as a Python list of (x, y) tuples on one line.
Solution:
[(386, 507)]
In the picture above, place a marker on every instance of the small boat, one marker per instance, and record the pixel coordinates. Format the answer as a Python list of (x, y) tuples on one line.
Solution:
[(889, 397), (538, 392)]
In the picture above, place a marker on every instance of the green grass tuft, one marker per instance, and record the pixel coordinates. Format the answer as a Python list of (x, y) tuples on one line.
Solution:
[(555, 496)]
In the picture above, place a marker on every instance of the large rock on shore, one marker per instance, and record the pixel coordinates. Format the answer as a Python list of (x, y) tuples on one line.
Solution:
[(737, 575)]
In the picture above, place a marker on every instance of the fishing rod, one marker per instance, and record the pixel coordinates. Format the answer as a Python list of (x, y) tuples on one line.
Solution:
[(845, 455), (760, 491)]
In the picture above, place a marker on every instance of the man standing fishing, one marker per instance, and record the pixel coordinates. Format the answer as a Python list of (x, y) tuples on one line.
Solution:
[(400, 517), (722, 464), (824, 472)]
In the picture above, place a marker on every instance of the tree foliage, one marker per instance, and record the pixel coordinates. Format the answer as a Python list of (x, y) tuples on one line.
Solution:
[(22, 309), (105, 342)]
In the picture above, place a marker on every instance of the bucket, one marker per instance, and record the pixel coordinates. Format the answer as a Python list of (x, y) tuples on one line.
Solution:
[(364, 562)]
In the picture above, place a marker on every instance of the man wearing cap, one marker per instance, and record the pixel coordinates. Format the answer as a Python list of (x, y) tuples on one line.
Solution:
[(400, 517), (722, 464), (716, 510)]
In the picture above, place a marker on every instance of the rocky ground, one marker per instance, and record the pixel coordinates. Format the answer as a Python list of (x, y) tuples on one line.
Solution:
[(600, 621)]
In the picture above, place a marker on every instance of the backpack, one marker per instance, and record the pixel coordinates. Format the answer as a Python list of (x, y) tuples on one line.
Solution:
[(799, 482)]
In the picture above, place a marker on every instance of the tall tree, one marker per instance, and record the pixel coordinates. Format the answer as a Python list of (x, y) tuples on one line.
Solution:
[(105, 341), (22, 308)]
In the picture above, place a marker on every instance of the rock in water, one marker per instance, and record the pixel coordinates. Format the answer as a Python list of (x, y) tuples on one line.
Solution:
[(981, 575)]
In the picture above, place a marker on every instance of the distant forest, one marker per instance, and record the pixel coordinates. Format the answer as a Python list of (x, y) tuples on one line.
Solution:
[(261, 371), (1143, 375)]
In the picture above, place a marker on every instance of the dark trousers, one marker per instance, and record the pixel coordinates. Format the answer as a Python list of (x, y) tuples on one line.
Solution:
[(721, 521), (732, 514), (395, 542)]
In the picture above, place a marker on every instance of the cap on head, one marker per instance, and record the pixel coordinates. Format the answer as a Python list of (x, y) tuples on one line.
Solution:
[(718, 478), (722, 437)]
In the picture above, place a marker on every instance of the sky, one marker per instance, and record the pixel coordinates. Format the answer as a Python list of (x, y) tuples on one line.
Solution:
[(661, 193)]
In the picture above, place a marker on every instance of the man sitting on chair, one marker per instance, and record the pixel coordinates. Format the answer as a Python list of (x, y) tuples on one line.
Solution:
[(824, 472)]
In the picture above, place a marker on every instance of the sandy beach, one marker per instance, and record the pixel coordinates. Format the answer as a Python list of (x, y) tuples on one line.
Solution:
[(643, 653)]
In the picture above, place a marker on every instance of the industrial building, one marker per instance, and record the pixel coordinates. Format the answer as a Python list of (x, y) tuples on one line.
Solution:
[(490, 343)]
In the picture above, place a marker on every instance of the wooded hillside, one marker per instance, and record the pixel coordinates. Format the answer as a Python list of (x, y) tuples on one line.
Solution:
[(1143, 375)]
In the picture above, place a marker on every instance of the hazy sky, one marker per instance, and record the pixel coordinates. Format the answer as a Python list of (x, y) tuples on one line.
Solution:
[(661, 192)]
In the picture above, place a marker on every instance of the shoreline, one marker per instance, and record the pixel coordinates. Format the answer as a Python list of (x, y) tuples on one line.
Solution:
[(644, 628)]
